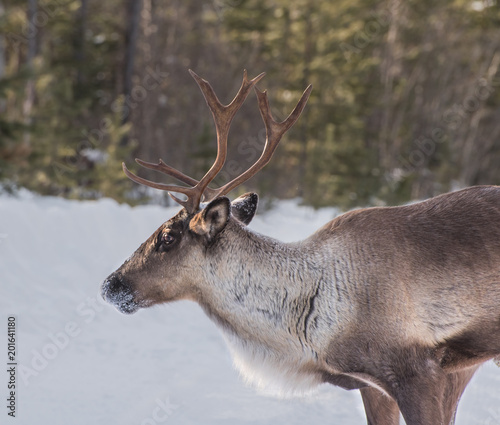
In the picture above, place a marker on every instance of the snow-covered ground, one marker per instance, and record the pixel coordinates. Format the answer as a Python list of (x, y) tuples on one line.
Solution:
[(82, 362)]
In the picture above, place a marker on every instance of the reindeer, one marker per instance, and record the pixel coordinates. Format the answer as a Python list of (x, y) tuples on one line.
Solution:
[(402, 303)]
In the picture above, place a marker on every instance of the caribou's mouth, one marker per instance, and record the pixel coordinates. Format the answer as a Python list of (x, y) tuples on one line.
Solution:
[(121, 296)]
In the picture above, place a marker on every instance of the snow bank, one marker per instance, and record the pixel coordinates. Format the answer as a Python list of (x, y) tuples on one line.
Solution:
[(82, 362)]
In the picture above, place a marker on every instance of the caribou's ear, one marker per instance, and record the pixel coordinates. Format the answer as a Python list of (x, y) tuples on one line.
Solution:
[(212, 219), (244, 207)]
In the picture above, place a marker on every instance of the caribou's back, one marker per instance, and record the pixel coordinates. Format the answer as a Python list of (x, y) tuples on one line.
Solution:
[(456, 234)]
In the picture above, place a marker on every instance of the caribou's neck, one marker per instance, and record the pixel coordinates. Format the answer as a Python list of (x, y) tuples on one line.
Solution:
[(270, 298)]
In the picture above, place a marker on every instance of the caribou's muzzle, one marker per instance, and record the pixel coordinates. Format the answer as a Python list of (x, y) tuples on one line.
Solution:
[(116, 292)]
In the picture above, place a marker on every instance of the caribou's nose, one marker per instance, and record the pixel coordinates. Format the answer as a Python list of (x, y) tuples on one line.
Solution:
[(115, 291), (111, 286)]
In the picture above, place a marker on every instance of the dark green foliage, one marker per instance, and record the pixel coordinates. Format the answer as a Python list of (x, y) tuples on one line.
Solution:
[(405, 102)]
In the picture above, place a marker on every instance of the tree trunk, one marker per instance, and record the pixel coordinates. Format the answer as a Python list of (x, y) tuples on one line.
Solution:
[(133, 19), (80, 44), (30, 56), (308, 54), (2, 44)]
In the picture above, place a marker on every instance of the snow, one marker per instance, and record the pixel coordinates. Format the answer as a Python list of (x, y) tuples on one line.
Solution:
[(81, 362)]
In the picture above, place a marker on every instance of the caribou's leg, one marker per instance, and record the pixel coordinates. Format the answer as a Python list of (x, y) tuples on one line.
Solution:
[(380, 409), (425, 401), (421, 401), (456, 383), (418, 384)]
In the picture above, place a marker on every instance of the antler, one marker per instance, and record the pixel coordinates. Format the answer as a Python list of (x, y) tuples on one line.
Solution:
[(274, 132), (223, 116)]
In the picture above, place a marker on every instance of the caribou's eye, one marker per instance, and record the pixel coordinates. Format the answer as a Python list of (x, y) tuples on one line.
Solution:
[(164, 241), (167, 239)]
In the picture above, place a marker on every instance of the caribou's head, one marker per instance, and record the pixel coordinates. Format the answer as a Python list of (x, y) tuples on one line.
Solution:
[(171, 264)]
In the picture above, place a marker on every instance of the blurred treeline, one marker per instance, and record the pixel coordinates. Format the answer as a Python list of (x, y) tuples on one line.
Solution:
[(406, 99)]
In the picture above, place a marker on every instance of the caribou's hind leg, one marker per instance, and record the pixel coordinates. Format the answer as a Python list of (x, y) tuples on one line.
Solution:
[(380, 409)]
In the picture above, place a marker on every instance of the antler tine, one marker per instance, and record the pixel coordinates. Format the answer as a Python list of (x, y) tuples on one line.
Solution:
[(274, 132), (167, 169), (171, 171), (188, 204), (223, 115)]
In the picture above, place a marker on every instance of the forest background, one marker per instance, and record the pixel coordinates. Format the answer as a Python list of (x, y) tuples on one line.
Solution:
[(405, 101)]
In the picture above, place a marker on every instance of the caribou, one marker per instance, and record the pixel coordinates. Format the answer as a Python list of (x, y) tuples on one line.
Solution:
[(402, 303)]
